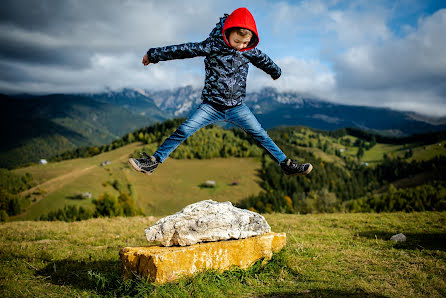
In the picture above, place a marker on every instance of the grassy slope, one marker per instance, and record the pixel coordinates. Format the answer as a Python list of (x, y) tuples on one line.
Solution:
[(375, 154), (174, 184), (326, 255)]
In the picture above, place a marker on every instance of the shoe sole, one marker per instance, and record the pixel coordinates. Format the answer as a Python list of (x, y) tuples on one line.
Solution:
[(134, 166), (303, 173)]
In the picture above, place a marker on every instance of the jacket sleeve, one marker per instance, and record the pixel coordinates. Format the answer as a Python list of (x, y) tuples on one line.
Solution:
[(265, 63), (181, 51)]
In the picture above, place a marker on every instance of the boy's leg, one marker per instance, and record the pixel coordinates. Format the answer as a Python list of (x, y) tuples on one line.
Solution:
[(204, 115), (245, 119)]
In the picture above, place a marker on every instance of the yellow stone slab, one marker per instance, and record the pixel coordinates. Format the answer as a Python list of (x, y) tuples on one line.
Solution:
[(163, 264)]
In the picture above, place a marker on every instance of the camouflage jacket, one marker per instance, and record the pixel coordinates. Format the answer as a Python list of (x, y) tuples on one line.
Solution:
[(226, 68)]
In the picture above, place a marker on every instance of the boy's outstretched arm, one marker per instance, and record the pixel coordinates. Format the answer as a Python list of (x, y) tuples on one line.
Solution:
[(181, 51), (265, 63)]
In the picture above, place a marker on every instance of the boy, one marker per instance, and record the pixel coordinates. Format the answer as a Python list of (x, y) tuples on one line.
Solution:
[(229, 48)]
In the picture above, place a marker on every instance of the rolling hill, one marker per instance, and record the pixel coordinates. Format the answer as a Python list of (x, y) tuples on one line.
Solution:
[(41, 127), (178, 182)]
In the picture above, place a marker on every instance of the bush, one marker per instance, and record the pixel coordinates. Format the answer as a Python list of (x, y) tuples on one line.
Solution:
[(68, 213), (3, 216)]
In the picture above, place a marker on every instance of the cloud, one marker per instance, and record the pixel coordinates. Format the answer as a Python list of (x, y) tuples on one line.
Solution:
[(354, 52), (76, 46), (369, 63), (307, 77), (107, 71), (404, 72)]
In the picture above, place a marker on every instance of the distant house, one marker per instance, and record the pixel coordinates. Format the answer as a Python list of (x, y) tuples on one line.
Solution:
[(43, 161), (105, 163), (210, 183), (86, 195)]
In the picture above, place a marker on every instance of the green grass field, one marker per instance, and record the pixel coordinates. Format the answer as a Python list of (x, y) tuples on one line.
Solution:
[(176, 183), (326, 255)]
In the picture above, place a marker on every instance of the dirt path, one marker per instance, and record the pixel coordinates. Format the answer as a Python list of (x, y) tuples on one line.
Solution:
[(49, 186), (56, 183)]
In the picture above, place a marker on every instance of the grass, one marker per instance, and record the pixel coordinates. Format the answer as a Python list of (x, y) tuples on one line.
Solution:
[(429, 151), (372, 156), (326, 255), (175, 184), (376, 153)]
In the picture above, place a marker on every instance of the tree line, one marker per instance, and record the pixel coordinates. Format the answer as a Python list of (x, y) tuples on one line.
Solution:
[(209, 142), (11, 184)]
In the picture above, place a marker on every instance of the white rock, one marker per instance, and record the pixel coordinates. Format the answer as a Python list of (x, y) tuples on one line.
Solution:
[(207, 221), (398, 238)]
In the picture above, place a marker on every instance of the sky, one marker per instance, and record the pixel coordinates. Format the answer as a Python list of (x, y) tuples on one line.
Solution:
[(375, 53)]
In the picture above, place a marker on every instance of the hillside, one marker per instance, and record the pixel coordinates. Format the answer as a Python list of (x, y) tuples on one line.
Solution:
[(341, 145), (338, 173), (397, 177), (177, 183), (327, 255), (40, 127)]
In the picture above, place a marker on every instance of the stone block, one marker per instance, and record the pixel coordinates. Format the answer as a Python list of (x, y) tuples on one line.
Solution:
[(161, 264)]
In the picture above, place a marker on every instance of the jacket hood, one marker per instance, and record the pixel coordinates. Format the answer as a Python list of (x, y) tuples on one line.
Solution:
[(241, 17)]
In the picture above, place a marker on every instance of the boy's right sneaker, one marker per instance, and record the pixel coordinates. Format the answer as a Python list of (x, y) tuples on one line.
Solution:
[(145, 165), (292, 168)]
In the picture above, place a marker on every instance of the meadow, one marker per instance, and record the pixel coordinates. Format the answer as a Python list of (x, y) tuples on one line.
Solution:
[(326, 255), (177, 183)]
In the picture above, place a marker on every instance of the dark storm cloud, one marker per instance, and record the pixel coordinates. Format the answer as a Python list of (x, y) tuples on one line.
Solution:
[(53, 32), (25, 51), (75, 45), (70, 32)]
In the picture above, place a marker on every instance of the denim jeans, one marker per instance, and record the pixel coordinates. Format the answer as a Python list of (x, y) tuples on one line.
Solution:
[(207, 114)]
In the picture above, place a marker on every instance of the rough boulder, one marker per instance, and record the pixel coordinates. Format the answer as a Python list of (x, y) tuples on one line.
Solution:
[(207, 221)]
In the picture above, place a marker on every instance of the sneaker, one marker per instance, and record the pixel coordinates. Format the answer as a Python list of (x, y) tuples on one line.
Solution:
[(146, 165), (292, 168)]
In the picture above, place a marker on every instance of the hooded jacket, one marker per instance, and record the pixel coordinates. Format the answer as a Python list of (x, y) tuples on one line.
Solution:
[(226, 68)]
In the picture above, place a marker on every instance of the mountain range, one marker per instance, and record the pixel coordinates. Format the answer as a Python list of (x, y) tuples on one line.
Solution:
[(37, 127), (273, 108)]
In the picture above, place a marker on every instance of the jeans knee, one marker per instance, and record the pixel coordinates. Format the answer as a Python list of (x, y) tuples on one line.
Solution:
[(259, 133), (185, 131)]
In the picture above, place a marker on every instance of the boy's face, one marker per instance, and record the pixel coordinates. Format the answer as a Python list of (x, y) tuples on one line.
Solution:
[(239, 42)]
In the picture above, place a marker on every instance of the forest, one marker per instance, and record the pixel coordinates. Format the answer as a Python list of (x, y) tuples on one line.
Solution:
[(352, 186)]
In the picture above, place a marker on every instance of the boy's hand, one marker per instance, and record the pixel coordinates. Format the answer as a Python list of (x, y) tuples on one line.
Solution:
[(145, 60)]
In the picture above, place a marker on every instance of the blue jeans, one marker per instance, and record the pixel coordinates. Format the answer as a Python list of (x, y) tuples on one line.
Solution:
[(207, 114)]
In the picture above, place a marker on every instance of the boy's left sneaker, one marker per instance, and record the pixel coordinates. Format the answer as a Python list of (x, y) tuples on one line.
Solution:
[(145, 165), (292, 168)]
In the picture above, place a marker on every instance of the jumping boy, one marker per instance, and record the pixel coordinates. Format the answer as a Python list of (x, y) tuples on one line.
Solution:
[(228, 50)]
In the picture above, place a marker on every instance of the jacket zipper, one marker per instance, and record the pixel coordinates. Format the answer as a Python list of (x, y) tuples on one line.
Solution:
[(233, 77)]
